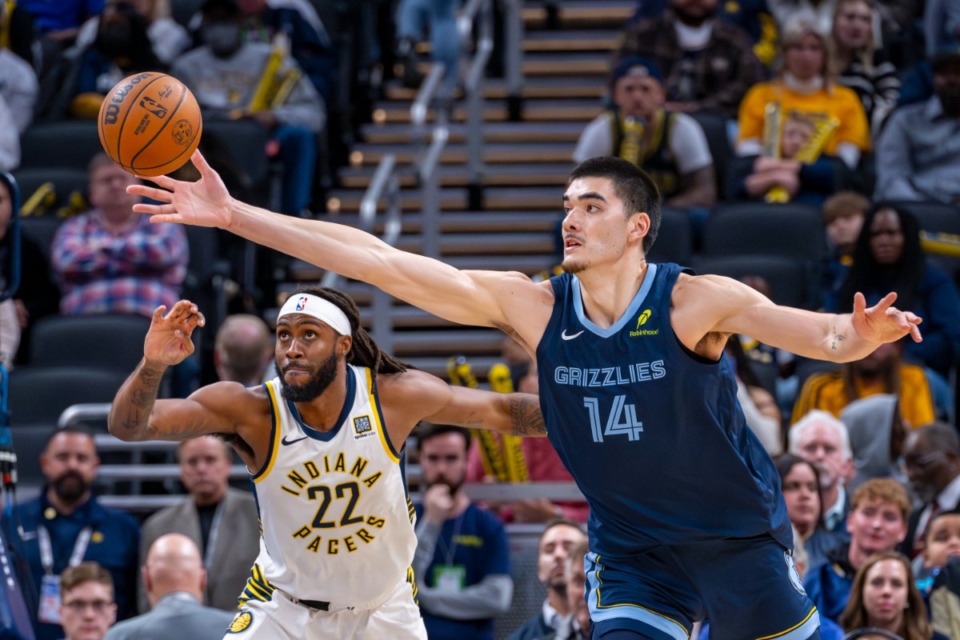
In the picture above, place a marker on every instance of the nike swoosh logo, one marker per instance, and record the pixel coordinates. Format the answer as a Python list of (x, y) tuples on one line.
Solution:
[(570, 337), (285, 441)]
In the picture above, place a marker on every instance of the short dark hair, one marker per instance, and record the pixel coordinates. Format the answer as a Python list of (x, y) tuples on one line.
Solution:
[(428, 431), (561, 521), (68, 430), (632, 185)]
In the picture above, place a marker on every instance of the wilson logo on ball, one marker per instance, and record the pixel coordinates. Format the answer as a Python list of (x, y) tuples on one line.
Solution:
[(119, 94)]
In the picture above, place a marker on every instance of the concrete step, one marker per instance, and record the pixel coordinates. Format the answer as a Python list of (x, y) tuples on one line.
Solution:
[(401, 133), (584, 14), (532, 152), (455, 199), (495, 175), (572, 110), (533, 89)]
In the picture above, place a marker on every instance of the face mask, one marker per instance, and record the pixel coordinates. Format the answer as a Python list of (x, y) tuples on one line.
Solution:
[(114, 40), (224, 39)]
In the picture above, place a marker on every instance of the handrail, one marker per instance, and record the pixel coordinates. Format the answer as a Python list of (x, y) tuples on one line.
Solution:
[(79, 412), (425, 96), (513, 58)]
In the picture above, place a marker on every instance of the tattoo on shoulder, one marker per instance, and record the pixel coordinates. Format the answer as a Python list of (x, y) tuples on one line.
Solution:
[(837, 338), (526, 417)]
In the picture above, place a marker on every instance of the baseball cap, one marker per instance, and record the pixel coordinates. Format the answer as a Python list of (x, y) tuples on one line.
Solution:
[(637, 66)]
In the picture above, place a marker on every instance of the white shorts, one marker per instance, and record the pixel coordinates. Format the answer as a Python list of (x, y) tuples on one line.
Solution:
[(397, 617)]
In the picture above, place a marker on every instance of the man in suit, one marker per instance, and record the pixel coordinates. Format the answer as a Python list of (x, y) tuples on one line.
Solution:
[(175, 581), (931, 456), (221, 521)]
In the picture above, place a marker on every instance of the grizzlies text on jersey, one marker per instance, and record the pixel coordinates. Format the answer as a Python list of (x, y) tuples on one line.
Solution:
[(652, 433)]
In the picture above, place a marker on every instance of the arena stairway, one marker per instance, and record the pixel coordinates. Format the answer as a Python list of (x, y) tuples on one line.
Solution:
[(566, 61)]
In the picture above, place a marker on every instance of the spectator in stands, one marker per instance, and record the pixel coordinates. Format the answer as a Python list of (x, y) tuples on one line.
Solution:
[(883, 371), (61, 20), (243, 349), (167, 37), (37, 295), (918, 152), (17, 31), (941, 545), (462, 550), (121, 46), (877, 523), (224, 75), (888, 257), (440, 15), (577, 625), (931, 457), (877, 432), (707, 64), (18, 87), (795, 176), (802, 492), (175, 579), (671, 147), (884, 596), (820, 438), (542, 464), (9, 138), (818, 13), (560, 536), (87, 606), (220, 520), (112, 260), (67, 524), (843, 216), (759, 406), (861, 64), (805, 85), (307, 41)]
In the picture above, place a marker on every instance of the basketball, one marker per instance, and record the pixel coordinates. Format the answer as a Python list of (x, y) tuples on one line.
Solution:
[(149, 124)]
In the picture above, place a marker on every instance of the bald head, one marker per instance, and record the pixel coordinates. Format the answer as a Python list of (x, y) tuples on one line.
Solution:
[(174, 564), (243, 349)]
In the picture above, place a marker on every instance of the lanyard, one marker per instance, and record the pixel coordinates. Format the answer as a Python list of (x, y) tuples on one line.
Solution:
[(212, 536), (46, 548)]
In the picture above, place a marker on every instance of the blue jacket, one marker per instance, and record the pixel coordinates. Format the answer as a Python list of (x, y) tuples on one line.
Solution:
[(114, 544), (536, 628), (829, 584)]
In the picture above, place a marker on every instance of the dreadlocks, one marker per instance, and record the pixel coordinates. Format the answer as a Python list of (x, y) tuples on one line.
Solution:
[(364, 352)]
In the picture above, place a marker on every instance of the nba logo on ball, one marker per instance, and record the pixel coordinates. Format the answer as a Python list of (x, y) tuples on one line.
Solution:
[(150, 124)]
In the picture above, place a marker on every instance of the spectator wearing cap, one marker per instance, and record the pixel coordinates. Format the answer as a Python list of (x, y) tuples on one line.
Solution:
[(669, 146), (707, 63), (918, 152)]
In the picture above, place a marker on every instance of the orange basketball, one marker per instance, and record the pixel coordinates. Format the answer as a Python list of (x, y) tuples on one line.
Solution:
[(150, 124)]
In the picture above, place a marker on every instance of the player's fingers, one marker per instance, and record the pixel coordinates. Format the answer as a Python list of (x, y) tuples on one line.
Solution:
[(859, 303), (164, 181), (158, 313), (201, 164), (915, 333), (160, 195), (886, 302)]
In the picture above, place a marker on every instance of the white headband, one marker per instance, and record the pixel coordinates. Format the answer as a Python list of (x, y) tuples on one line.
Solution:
[(316, 307)]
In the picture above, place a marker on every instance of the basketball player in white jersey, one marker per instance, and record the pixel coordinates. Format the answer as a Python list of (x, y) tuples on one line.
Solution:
[(323, 443)]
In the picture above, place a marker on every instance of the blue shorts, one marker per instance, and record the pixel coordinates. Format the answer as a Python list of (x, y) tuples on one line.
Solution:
[(746, 588)]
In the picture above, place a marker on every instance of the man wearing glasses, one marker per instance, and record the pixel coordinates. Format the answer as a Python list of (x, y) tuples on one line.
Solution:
[(931, 457), (87, 608)]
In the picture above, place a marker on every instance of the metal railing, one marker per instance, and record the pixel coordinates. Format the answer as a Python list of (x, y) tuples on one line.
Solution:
[(513, 58)]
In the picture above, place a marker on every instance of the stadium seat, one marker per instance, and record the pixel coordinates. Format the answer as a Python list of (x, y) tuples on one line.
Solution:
[(69, 143), (107, 341), (38, 395), (789, 284), (760, 228), (674, 241)]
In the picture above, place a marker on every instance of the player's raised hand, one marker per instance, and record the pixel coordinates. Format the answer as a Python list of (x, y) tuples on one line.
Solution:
[(168, 340), (883, 322), (204, 203)]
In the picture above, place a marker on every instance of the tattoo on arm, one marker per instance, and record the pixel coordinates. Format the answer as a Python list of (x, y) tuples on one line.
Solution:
[(837, 337), (526, 417), (143, 385)]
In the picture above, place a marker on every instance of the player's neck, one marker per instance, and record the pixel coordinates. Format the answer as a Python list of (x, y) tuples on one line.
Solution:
[(607, 293), (321, 413)]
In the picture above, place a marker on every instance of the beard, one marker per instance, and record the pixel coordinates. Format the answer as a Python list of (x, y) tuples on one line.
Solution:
[(572, 267), (452, 485), (70, 487), (325, 375)]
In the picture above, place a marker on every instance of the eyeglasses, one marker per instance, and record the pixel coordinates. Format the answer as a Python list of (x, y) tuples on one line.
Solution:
[(79, 606)]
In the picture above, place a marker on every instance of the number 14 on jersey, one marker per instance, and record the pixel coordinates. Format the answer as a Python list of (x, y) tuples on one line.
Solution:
[(622, 419)]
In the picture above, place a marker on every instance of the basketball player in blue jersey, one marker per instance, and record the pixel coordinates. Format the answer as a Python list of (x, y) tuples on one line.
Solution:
[(687, 520), (323, 443)]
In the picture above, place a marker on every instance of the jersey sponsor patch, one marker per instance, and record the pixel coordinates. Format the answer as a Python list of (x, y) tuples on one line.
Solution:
[(362, 426), (241, 621)]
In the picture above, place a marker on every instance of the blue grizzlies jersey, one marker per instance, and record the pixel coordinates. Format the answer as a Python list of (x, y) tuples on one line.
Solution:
[(652, 433)]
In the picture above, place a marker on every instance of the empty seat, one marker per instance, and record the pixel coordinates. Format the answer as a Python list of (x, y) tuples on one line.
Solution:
[(38, 395), (789, 284), (67, 143), (933, 216), (674, 241), (111, 341), (62, 181), (759, 228)]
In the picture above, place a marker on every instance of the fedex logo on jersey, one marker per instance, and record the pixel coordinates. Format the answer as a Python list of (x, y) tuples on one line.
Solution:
[(610, 376)]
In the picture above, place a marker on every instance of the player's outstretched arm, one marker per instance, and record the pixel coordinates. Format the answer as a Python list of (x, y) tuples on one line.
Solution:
[(137, 414), (722, 305), (412, 396), (474, 298)]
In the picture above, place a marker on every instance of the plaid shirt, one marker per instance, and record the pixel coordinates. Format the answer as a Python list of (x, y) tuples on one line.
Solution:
[(719, 76), (133, 272)]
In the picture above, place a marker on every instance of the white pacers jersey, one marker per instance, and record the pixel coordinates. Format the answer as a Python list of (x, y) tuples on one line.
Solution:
[(336, 517)]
